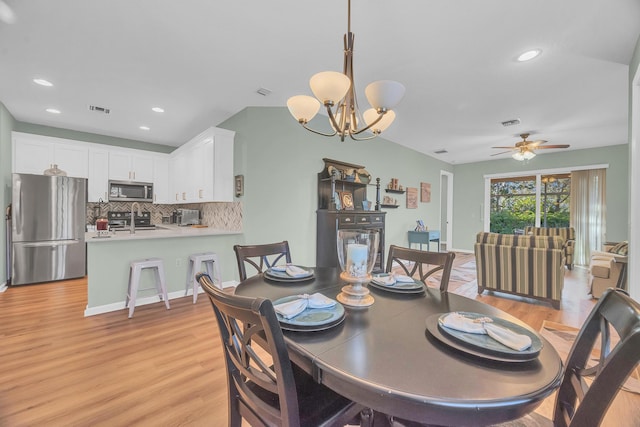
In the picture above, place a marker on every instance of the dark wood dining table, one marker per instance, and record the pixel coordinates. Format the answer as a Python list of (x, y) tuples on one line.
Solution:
[(384, 357)]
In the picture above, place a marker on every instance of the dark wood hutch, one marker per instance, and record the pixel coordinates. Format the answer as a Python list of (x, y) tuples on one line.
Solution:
[(336, 178)]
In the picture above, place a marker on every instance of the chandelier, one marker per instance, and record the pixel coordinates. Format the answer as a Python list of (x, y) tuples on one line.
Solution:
[(336, 91)]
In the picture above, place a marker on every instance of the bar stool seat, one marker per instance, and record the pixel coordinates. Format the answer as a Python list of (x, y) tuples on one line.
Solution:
[(212, 266), (135, 271)]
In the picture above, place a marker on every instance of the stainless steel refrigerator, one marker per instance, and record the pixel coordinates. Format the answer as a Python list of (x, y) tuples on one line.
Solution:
[(47, 228)]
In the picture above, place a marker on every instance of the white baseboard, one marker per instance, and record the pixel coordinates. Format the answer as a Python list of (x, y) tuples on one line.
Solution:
[(148, 300), (466, 251)]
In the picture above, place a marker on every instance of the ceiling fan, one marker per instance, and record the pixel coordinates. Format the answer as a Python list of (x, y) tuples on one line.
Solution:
[(525, 150)]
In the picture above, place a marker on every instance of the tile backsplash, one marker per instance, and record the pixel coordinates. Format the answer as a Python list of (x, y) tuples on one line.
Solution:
[(219, 215)]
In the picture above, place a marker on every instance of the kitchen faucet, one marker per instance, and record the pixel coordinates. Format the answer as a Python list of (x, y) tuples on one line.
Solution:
[(132, 226)]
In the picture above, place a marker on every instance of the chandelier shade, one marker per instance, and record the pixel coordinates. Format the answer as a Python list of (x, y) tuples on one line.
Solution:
[(336, 92), (384, 94), (370, 117), (303, 107), (329, 86)]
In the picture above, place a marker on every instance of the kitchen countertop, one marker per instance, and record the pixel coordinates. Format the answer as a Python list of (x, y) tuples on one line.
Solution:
[(163, 231)]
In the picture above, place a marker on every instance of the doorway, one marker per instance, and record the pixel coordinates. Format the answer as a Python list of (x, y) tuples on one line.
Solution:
[(446, 211)]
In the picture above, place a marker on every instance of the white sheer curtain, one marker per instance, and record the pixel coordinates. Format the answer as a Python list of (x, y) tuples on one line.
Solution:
[(588, 212)]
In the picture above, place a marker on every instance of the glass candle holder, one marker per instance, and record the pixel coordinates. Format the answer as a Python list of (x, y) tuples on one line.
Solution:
[(357, 250)]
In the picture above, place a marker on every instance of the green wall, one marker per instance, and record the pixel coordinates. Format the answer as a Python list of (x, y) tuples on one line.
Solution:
[(280, 162), (468, 195), (6, 125)]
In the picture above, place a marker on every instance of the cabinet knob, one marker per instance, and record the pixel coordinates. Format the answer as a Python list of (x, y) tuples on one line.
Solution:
[(363, 219), (347, 220)]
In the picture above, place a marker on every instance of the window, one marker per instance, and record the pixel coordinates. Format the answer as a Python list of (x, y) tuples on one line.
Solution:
[(518, 202)]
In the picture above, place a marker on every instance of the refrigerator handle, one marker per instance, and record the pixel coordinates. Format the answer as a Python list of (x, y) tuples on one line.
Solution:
[(16, 213), (50, 243)]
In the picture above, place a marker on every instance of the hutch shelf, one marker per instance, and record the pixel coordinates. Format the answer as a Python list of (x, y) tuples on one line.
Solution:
[(337, 177)]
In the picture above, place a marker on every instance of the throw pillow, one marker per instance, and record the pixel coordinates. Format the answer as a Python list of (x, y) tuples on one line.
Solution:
[(621, 248)]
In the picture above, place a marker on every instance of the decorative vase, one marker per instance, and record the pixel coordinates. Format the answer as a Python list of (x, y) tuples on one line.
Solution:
[(357, 250)]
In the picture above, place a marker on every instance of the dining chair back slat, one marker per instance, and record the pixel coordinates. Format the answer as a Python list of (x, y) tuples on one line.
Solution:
[(413, 260), (261, 257)]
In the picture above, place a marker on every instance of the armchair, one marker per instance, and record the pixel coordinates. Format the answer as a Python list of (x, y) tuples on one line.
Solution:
[(568, 234), (608, 268)]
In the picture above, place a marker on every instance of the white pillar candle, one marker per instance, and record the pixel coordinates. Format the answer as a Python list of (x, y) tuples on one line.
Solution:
[(357, 259)]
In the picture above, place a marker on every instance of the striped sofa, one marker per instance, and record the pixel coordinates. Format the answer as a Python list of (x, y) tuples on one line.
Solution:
[(567, 233), (526, 265)]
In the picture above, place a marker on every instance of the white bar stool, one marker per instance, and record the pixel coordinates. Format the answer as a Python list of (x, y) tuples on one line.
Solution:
[(134, 281), (210, 260)]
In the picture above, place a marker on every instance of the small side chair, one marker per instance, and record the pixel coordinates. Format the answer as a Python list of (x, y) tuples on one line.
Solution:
[(261, 257), (435, 260), (268, 390)]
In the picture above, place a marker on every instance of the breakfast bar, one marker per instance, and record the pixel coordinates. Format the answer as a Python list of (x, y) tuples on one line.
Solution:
[(108, 259)]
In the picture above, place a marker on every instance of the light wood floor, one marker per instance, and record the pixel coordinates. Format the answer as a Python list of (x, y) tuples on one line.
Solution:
[(160, 368)]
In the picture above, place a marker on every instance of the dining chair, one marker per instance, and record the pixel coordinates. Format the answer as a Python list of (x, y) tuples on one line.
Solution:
[(595, 370), (264, 387), (261, 257), (436, 261)]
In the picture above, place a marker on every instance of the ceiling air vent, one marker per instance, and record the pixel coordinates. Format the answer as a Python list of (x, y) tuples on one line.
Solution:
[(511, 122), (264, 91), (99, 109), (442, 151)]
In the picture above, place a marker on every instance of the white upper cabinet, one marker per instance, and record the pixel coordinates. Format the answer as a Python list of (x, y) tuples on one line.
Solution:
[(35, 153), (98, 185), (130, 165), (161, 180), (202, 169)]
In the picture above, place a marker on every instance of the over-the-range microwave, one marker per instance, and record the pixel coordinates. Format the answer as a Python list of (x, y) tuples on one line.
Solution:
[(130, 191)]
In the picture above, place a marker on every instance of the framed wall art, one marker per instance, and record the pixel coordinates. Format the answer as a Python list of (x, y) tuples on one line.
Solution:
[(412, 198), (425, 192)]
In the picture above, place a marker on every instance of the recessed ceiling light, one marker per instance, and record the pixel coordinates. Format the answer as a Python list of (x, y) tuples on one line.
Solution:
[(52, 111), (158, 109), (529, 55), (43, 82), (145, 128)]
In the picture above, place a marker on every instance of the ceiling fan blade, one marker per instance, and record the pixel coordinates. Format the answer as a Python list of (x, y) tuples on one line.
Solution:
[(554, 146), (512, 148), (503, 152), (536, 143)]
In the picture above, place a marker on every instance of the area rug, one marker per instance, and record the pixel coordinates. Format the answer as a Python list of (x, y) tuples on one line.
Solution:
[(562, 337)]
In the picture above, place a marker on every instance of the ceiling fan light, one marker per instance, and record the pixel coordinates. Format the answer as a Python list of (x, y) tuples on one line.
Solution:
[(371, 115), (384, 94), (303, 107), (518, 156), (528, 155), (329, 86)]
